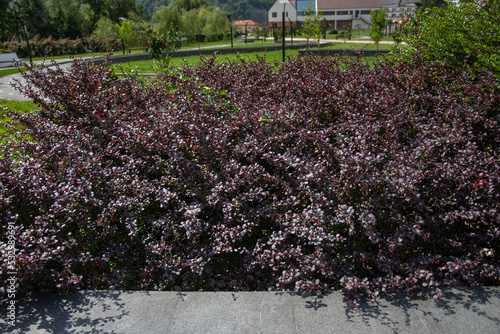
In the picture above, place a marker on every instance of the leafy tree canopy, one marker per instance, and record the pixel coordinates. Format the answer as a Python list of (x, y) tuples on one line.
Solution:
[(379, 23), (61, 18), (457, 34)]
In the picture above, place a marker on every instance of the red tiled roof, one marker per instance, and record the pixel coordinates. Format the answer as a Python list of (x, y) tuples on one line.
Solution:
[(245, 22)]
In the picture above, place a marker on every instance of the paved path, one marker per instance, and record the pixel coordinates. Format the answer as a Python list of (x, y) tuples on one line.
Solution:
[(8, 92), (6, 89), (460, 311)]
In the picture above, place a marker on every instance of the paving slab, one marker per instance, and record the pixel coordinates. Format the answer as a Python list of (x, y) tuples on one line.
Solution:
[(7, 90), (471, 310)]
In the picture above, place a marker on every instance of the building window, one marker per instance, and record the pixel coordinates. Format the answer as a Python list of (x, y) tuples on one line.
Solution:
[(342, 12), (275, 14), (343, 25), (365, 12)]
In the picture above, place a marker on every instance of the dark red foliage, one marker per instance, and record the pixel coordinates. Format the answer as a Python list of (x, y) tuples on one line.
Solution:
[(306, 176)]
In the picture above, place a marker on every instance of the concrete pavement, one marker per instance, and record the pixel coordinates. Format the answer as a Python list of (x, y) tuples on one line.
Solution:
[(6, 89), (472, 310)]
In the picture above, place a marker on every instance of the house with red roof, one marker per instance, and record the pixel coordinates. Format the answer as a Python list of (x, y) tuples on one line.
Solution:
[(246, 26)]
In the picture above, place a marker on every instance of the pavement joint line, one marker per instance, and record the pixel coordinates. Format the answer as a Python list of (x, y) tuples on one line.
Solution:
[(171, 320)]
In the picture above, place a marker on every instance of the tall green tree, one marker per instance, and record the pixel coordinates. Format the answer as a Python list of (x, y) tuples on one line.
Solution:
[(63, 18), (378, 25), (193, 23), (458, 35), (311, 28), (32, 14), (217, 25), (125, 32), (167, 18), (5, 19), (105, 28)]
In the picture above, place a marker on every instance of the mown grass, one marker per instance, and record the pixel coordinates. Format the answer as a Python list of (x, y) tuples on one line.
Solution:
[(150, 66), (9, 71), (16, 106)]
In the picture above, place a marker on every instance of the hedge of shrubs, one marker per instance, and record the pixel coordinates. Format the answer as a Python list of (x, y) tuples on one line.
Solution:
[(311, 175), (50, 46)]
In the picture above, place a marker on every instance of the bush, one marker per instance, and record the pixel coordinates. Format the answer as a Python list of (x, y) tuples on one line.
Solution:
[(315, 174), (41, 47), (458, 35)]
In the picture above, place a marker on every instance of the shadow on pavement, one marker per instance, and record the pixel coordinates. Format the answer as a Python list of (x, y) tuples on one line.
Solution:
[(62, 313)]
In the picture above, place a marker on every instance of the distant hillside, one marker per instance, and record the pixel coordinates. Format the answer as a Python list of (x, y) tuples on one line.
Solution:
[(240, 9)]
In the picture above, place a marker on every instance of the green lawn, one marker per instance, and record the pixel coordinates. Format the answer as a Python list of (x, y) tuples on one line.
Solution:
[(363, 34), (8, 71), (18, 106), (148, 66)]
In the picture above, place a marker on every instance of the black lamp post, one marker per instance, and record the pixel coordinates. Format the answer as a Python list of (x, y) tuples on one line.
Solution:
[(246, 33), (284, 2), (231, 28), (26, 36)]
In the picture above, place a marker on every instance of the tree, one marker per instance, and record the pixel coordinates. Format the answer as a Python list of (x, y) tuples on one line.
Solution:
[(87, 19), (167, 18), (160, 43), (217, 25), (105, 28), (312, 25), (425, 4), (456, 35), (125, 34), (358, 27), (62, 18), (345, 35), (5, 19), (33, 15), (378, 25)]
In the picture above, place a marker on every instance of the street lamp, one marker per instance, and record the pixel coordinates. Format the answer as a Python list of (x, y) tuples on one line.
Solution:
[(246, 33), (26, 36), (283, 2), (231, 27)]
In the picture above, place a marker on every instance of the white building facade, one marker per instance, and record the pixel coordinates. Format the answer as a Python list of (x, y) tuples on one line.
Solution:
[(338, 14), (396, 10)]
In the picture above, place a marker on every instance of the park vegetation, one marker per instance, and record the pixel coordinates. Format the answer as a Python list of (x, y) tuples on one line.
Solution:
[(456, 35), (314, 174), (308, 175), (75, 26)]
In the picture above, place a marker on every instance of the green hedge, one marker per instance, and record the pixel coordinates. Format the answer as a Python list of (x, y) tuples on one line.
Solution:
[(50, 46)]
